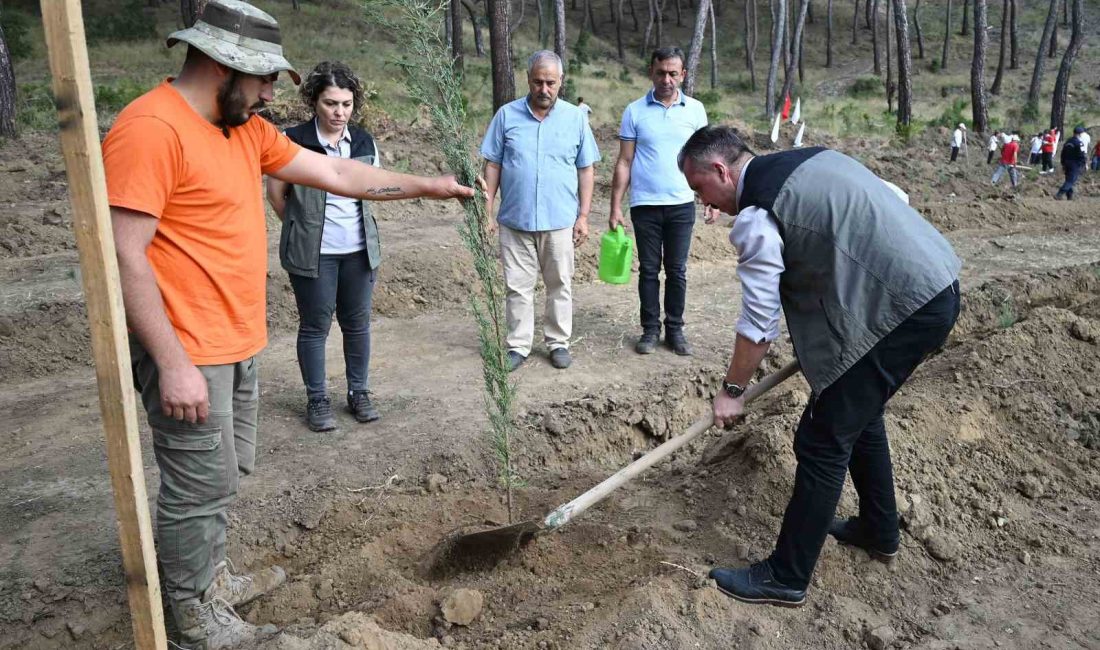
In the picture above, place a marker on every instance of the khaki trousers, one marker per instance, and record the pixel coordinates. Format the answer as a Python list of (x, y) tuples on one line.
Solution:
[(526, 255), (200, 469)]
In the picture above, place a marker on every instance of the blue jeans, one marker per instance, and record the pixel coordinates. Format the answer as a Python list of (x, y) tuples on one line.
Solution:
[(663, 233), (842, 430), (345, 284), (1073, 172)]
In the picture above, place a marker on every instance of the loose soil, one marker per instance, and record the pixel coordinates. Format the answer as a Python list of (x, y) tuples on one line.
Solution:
[(996, 444)]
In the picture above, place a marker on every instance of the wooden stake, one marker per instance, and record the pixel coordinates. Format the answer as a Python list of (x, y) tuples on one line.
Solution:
[(72, 88)]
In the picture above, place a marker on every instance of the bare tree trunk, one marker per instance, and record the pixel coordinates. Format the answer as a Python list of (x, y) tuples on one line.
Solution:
[(591, 16), (1013, 38), (995, 89), (455, 10), (479, 45), (1061, 85), (559, 29), (7, 90), (702, 13), (779, 18), (874, 37), (889, 65), (1065, 13), (1053, 38), (544, 31), (634, 15), (713, 50), (519, 20), (905, 65), (500, 47), (1040, 59), (867, 15), (802, 51), (966, 19), (800, 24), (977, 69), (190, 10), (659, 5), (829, 34), (750, 41), (448, 27), (788, 43), (619, 31), (917, 29), (651, 5), (810, 14), (946, 36), (679, 17), (855, 23)]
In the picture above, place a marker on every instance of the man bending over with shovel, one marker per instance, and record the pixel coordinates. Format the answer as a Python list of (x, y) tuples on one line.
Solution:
[(183, 165), (868, 287)]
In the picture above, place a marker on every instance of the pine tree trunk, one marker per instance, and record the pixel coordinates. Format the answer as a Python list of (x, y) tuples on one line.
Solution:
[(829, 34), (800, 24), (713, 50), (619, 31), (1061, 85), (500, 47), (456, 34), (995, 89), (679, 16), (1053, 38), (448, 27), (867, 15), (591, 16), (659, 14), (190, 10), (779, 18), (559, 29), (7, 90), (1013, 38), (917, 29), (889, 63), (544, 32), (519, 20), (651, 6), (750, 41), (479, 45), (965, 31), (946, 36), (1065, 13), (695, 49), (977, 69), (1040, 58), (855, 24), (905, 64), (874, 38), (810, 14), (634, 15), (802, 51)]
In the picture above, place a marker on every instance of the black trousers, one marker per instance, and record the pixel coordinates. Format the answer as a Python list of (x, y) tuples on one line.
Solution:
[(954, 153), (1048, 160), (663, 233), (842, 430)]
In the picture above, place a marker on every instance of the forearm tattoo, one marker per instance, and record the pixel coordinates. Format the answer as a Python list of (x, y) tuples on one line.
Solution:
[(384, 191)]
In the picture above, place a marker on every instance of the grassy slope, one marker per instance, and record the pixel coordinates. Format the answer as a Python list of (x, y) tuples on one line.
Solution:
[(336, 29)]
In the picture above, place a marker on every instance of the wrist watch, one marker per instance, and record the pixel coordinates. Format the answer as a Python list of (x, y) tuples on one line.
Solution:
[(732, 389)]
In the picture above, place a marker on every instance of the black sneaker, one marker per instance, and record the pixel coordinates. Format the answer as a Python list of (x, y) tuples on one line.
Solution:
[(360, 406), (319, 415), (514, 360), (647, 343), (755, 584), (852, 532), (678, 343), (560, 358)]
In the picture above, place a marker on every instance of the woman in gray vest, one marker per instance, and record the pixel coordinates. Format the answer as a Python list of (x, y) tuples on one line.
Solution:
[(329, 246), (868, 287)]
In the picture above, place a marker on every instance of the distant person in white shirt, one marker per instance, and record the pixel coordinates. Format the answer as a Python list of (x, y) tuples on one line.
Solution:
[(958, 139), (584, 107), (994, 142), (1036, 149), (1085, 138)]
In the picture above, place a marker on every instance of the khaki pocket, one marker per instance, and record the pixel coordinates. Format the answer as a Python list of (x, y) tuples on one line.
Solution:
[(193, 466)]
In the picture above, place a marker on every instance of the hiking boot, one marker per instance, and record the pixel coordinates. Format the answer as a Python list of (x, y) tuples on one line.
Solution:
[(238, 590), (212, 624), (560, 358), (755, 584), (678, 344), (514, 360), (319, 415), (852, 532), (1059, 195), (647, 343), (360, 406)]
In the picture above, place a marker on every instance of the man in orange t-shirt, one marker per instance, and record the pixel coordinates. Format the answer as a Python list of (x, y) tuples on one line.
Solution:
[(184, 164)]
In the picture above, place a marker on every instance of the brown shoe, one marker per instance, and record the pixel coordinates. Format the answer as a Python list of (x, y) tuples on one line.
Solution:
[(211, 623), (238, 590)]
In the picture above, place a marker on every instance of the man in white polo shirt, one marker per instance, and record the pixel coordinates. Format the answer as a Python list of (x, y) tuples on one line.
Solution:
[(662, 206)]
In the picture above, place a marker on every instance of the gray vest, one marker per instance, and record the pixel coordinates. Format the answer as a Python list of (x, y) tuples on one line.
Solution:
[(858, 259)]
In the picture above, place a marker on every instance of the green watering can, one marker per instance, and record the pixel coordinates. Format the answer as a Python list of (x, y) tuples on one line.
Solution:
[(616, 256)]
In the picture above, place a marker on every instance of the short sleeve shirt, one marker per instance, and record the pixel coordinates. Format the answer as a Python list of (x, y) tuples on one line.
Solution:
[(209, 253), (538, 162), (658, 133)]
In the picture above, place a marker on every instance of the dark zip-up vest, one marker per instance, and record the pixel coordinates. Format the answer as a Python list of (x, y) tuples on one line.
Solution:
[(858, 259), (304, 217)]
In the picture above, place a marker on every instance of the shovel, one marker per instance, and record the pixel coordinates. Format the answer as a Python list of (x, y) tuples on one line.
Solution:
[(479, 549)]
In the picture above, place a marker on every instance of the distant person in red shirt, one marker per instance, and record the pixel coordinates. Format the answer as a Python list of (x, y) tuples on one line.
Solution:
[(1049, 138), (1009, 154), (1096, 157)]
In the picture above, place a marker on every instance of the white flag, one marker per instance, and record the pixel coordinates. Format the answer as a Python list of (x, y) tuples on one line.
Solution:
[(775, 129), (798, 138), (797, 114)]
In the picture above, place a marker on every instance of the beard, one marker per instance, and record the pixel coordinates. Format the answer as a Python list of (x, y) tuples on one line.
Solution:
[(232, 104)]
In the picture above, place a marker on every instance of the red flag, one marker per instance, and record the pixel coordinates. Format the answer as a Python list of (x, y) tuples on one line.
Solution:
[(786, 107)]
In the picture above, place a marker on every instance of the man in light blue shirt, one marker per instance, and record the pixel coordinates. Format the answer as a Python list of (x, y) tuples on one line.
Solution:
[(540, 152), (662, 206)]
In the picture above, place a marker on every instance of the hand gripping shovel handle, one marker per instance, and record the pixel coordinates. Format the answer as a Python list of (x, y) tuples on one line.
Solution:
[(564, 514)]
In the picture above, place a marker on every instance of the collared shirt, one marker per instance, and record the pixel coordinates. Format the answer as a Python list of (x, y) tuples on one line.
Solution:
[(343, 232), (658, 133), (538, 162), (755, 235)]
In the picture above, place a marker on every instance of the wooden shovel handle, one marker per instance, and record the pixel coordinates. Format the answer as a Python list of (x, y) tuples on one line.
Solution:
[(564, 514)]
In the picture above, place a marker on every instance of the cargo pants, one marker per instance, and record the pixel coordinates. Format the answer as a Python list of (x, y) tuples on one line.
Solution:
[(200, 468)]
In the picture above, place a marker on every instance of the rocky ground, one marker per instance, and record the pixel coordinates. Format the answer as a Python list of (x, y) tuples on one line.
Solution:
[(996, 444)]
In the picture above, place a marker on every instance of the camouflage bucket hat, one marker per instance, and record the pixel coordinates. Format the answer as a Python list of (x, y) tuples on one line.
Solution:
[(240, 36)]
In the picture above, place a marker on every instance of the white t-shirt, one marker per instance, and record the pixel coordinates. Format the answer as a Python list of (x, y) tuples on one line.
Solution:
[(957, 139), (585, 107), (1036, 145)]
